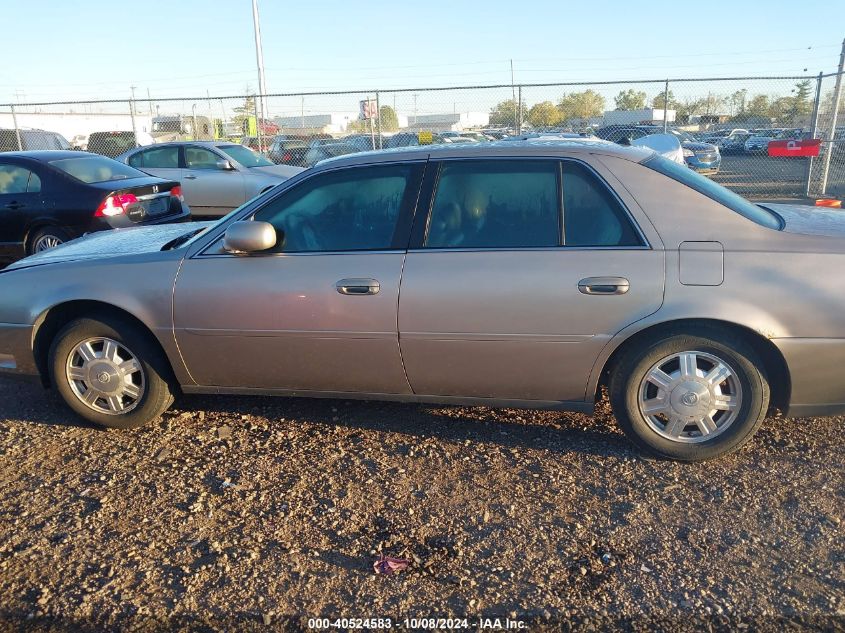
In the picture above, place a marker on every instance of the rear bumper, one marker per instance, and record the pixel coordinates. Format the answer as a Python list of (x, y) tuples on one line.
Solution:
[(16, 357), (815, 368)]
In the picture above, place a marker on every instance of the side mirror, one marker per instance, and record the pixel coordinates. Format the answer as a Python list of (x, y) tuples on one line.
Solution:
[(249, 237), (224, 165)]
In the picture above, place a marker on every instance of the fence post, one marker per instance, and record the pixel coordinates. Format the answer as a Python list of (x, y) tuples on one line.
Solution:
[(831, 135), (17, 129), (134, 128), (255, 104), (814, 130), (519, 118), (665, 106), (378, 119)]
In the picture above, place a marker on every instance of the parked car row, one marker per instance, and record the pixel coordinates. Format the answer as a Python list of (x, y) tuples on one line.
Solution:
[(704, 158)]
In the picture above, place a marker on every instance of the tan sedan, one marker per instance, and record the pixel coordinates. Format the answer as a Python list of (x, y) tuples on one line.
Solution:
[(523, 274)]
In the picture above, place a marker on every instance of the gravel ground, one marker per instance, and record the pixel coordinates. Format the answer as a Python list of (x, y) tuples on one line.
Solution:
[(258, 513)]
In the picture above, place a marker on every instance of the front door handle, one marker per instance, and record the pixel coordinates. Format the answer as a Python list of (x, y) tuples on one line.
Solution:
[(190, 177), (604, 286), (358, 286), (14, 206)]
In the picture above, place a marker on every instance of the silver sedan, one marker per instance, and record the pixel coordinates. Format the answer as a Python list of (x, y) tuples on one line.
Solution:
[(216, 176), (503, 274)]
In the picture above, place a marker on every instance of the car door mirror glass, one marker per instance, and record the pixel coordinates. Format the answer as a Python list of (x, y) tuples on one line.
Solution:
[(250, 237)]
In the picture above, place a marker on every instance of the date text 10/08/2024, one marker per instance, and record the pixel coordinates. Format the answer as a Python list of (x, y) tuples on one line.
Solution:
[(417, 623)]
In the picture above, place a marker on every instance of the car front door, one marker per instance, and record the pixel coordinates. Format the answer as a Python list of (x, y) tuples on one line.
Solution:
[(20, 198), (524, 272), (317, 312), (208, 188)]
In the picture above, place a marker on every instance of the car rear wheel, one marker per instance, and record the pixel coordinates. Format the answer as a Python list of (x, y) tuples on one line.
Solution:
[(110, 373), (47, 238), (690, 396)]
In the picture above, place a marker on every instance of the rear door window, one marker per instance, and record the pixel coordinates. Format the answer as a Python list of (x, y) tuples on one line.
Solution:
[(160, 158), (15, 179), (593, 216), (495, 204)]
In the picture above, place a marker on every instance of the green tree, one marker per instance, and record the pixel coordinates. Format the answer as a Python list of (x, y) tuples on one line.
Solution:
[(799, 104), (389, 120), (581, 105), (758, 106), (688, 108), (657, 102), (245, 112), (505, 113), (544, 114), (737, 101), (630, 100)]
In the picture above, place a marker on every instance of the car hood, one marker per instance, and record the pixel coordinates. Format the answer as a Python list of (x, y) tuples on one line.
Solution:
[(114, 243), (808, 220), (283, 172)]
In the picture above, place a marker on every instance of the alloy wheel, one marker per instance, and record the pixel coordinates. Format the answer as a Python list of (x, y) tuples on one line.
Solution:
[(105, 376)]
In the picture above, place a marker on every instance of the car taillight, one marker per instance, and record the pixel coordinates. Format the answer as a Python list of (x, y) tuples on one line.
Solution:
[(115, 204), (177, 192), (286, 157)]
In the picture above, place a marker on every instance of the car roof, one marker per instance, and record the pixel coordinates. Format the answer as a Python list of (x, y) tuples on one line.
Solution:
[(47, 155), (529, 148)]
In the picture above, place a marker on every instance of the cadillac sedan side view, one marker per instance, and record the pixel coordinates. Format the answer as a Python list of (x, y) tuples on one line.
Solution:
[(514, 274)]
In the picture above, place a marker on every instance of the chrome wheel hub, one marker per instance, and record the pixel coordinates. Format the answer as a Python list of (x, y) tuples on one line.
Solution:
[(690, 397), (46, 242), (105, 376)]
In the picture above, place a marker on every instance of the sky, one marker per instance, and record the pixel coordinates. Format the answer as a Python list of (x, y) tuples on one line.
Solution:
[(97, 49)]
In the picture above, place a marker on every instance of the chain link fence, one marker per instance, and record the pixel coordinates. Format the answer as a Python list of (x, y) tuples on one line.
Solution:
[(739, 115)]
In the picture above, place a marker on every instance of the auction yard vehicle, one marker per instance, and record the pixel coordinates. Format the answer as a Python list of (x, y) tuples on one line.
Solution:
[(702, 157), (50, 197), (531, 275), (216, 177)]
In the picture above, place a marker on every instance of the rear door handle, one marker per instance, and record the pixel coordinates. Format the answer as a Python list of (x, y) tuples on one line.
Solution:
[(14, 206), (604, 286), (190, 177), (358, 286)]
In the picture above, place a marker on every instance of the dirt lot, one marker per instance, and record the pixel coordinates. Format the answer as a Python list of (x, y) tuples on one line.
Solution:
[(250, 513)]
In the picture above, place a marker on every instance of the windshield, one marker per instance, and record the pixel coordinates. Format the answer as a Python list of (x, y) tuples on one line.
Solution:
[(245, 156), (714, 191), (682, 135), (96, 169)]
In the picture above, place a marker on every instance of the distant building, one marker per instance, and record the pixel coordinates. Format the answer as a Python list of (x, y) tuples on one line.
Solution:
[(328, 123), (448, 122), (645, 116)]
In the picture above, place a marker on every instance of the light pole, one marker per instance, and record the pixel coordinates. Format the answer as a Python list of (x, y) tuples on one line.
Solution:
[(259, 58)]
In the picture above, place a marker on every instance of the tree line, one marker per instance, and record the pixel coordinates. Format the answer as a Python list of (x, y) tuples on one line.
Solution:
[(580, 106)]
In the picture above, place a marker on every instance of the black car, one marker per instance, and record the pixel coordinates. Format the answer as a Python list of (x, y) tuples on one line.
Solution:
[(50, 197), (111, 144), (287, 150)]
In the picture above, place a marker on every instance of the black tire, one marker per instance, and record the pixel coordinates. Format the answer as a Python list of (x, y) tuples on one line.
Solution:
[(636, 361), (158, 391), (55, 232)]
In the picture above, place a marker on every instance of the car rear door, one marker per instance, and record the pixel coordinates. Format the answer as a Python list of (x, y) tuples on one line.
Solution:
[(20, 198), (504, 297), (207, 188), (318, 312), (161, 161)]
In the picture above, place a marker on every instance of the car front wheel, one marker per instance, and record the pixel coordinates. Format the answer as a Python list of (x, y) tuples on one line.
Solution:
[(690, 396), (110, 372)]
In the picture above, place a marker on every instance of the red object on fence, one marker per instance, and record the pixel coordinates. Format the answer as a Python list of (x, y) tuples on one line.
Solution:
[(794, 147)]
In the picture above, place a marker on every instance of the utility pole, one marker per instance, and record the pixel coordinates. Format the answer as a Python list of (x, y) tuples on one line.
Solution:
[(837, 96), (513, 91), (666, 107), (150, 104), (132, 88), (259, 57)]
